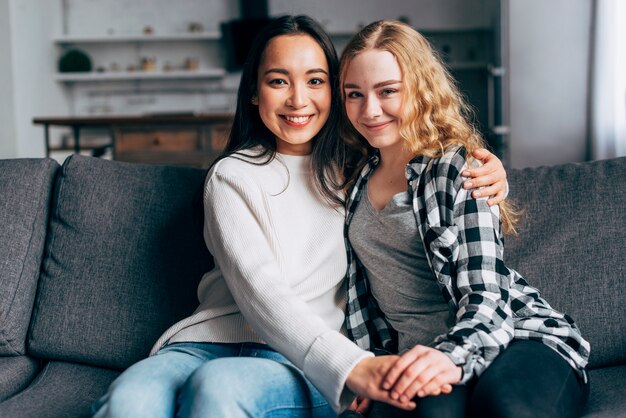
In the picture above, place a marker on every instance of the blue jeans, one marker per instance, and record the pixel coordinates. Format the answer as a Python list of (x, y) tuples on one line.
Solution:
[(213, 380)]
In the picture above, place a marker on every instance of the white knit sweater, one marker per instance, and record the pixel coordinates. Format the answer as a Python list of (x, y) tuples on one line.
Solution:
[(280, 264)]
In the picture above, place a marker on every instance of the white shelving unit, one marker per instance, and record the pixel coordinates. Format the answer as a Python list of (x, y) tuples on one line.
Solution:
[(85, 41), (178, 37), (206, 73)]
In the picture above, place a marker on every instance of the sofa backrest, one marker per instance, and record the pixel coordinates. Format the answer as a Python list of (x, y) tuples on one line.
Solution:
[(25, 193), (122, 261), (571, 247)]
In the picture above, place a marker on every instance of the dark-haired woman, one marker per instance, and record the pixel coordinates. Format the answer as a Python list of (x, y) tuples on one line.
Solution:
[(273, 222)]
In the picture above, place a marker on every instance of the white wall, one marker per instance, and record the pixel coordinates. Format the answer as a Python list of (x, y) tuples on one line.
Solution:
[(8, 143), (548, 73), (33, 23), (350, 15)]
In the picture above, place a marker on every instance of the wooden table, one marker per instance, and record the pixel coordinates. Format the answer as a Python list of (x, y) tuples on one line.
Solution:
[(188, 139)]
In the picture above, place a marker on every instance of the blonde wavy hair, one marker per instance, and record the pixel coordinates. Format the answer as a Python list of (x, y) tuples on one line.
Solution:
[(435, 116)]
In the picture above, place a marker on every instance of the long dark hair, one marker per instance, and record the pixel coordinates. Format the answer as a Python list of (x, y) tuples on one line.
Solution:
[(330, 156)]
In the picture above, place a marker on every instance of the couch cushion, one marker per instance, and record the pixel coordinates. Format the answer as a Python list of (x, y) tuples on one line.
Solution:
[(25, 192), (122, 261), (60, 390), (606, 398), (571, 246), (16, 373)]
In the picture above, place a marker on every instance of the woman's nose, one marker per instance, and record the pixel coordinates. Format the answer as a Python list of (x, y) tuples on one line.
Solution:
[(371, 107), (298, 97)]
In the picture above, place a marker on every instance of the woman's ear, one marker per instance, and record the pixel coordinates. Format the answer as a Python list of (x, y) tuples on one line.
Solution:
[(255, 100)]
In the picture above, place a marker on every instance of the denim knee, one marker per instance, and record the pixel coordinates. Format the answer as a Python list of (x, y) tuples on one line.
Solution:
[(216, 380), (211, 391), (250, 386), (137, 399)]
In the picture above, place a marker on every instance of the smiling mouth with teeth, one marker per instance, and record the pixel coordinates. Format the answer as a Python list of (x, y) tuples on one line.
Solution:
[(298, 120)]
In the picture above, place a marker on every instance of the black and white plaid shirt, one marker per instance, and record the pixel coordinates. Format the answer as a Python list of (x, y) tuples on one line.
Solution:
[(462, 238)]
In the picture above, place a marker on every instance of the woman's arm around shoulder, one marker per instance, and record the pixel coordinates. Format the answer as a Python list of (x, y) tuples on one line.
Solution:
[(489, 179)]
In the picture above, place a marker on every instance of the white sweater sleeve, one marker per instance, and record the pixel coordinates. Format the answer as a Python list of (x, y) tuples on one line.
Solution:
[(236, 231)]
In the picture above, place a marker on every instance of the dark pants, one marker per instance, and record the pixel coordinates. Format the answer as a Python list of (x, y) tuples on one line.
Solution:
[(527, 380)]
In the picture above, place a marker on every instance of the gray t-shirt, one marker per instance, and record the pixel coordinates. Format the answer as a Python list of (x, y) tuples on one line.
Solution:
[(391, 250)]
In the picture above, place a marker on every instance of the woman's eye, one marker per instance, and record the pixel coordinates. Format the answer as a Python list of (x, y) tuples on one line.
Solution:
[(387, 92), (277, 81), (317, 81), (353, 95)]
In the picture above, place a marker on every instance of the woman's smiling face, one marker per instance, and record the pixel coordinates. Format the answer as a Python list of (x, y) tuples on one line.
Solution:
[(373, 97), (294, 92)]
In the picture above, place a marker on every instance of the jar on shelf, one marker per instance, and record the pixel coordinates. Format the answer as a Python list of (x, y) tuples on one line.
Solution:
[(148, 64), (192, 63)]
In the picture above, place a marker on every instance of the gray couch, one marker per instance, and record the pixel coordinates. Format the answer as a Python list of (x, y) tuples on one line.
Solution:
[(97, 258)]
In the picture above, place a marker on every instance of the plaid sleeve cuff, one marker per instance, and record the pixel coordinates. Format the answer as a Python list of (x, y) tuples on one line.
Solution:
[(467, 359)]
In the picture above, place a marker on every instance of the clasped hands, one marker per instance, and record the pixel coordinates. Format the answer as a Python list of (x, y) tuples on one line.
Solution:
[(397, 380)]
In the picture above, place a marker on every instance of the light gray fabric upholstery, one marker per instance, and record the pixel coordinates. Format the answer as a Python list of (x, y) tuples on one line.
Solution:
[(25, 191), (123, 260), (60, 390), (571, 246), (17, 373)]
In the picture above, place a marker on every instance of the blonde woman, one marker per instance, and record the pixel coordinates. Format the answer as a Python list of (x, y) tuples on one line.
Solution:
[(426, 259)]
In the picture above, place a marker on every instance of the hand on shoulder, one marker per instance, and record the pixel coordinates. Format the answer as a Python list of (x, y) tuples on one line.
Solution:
[(490, 177)]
